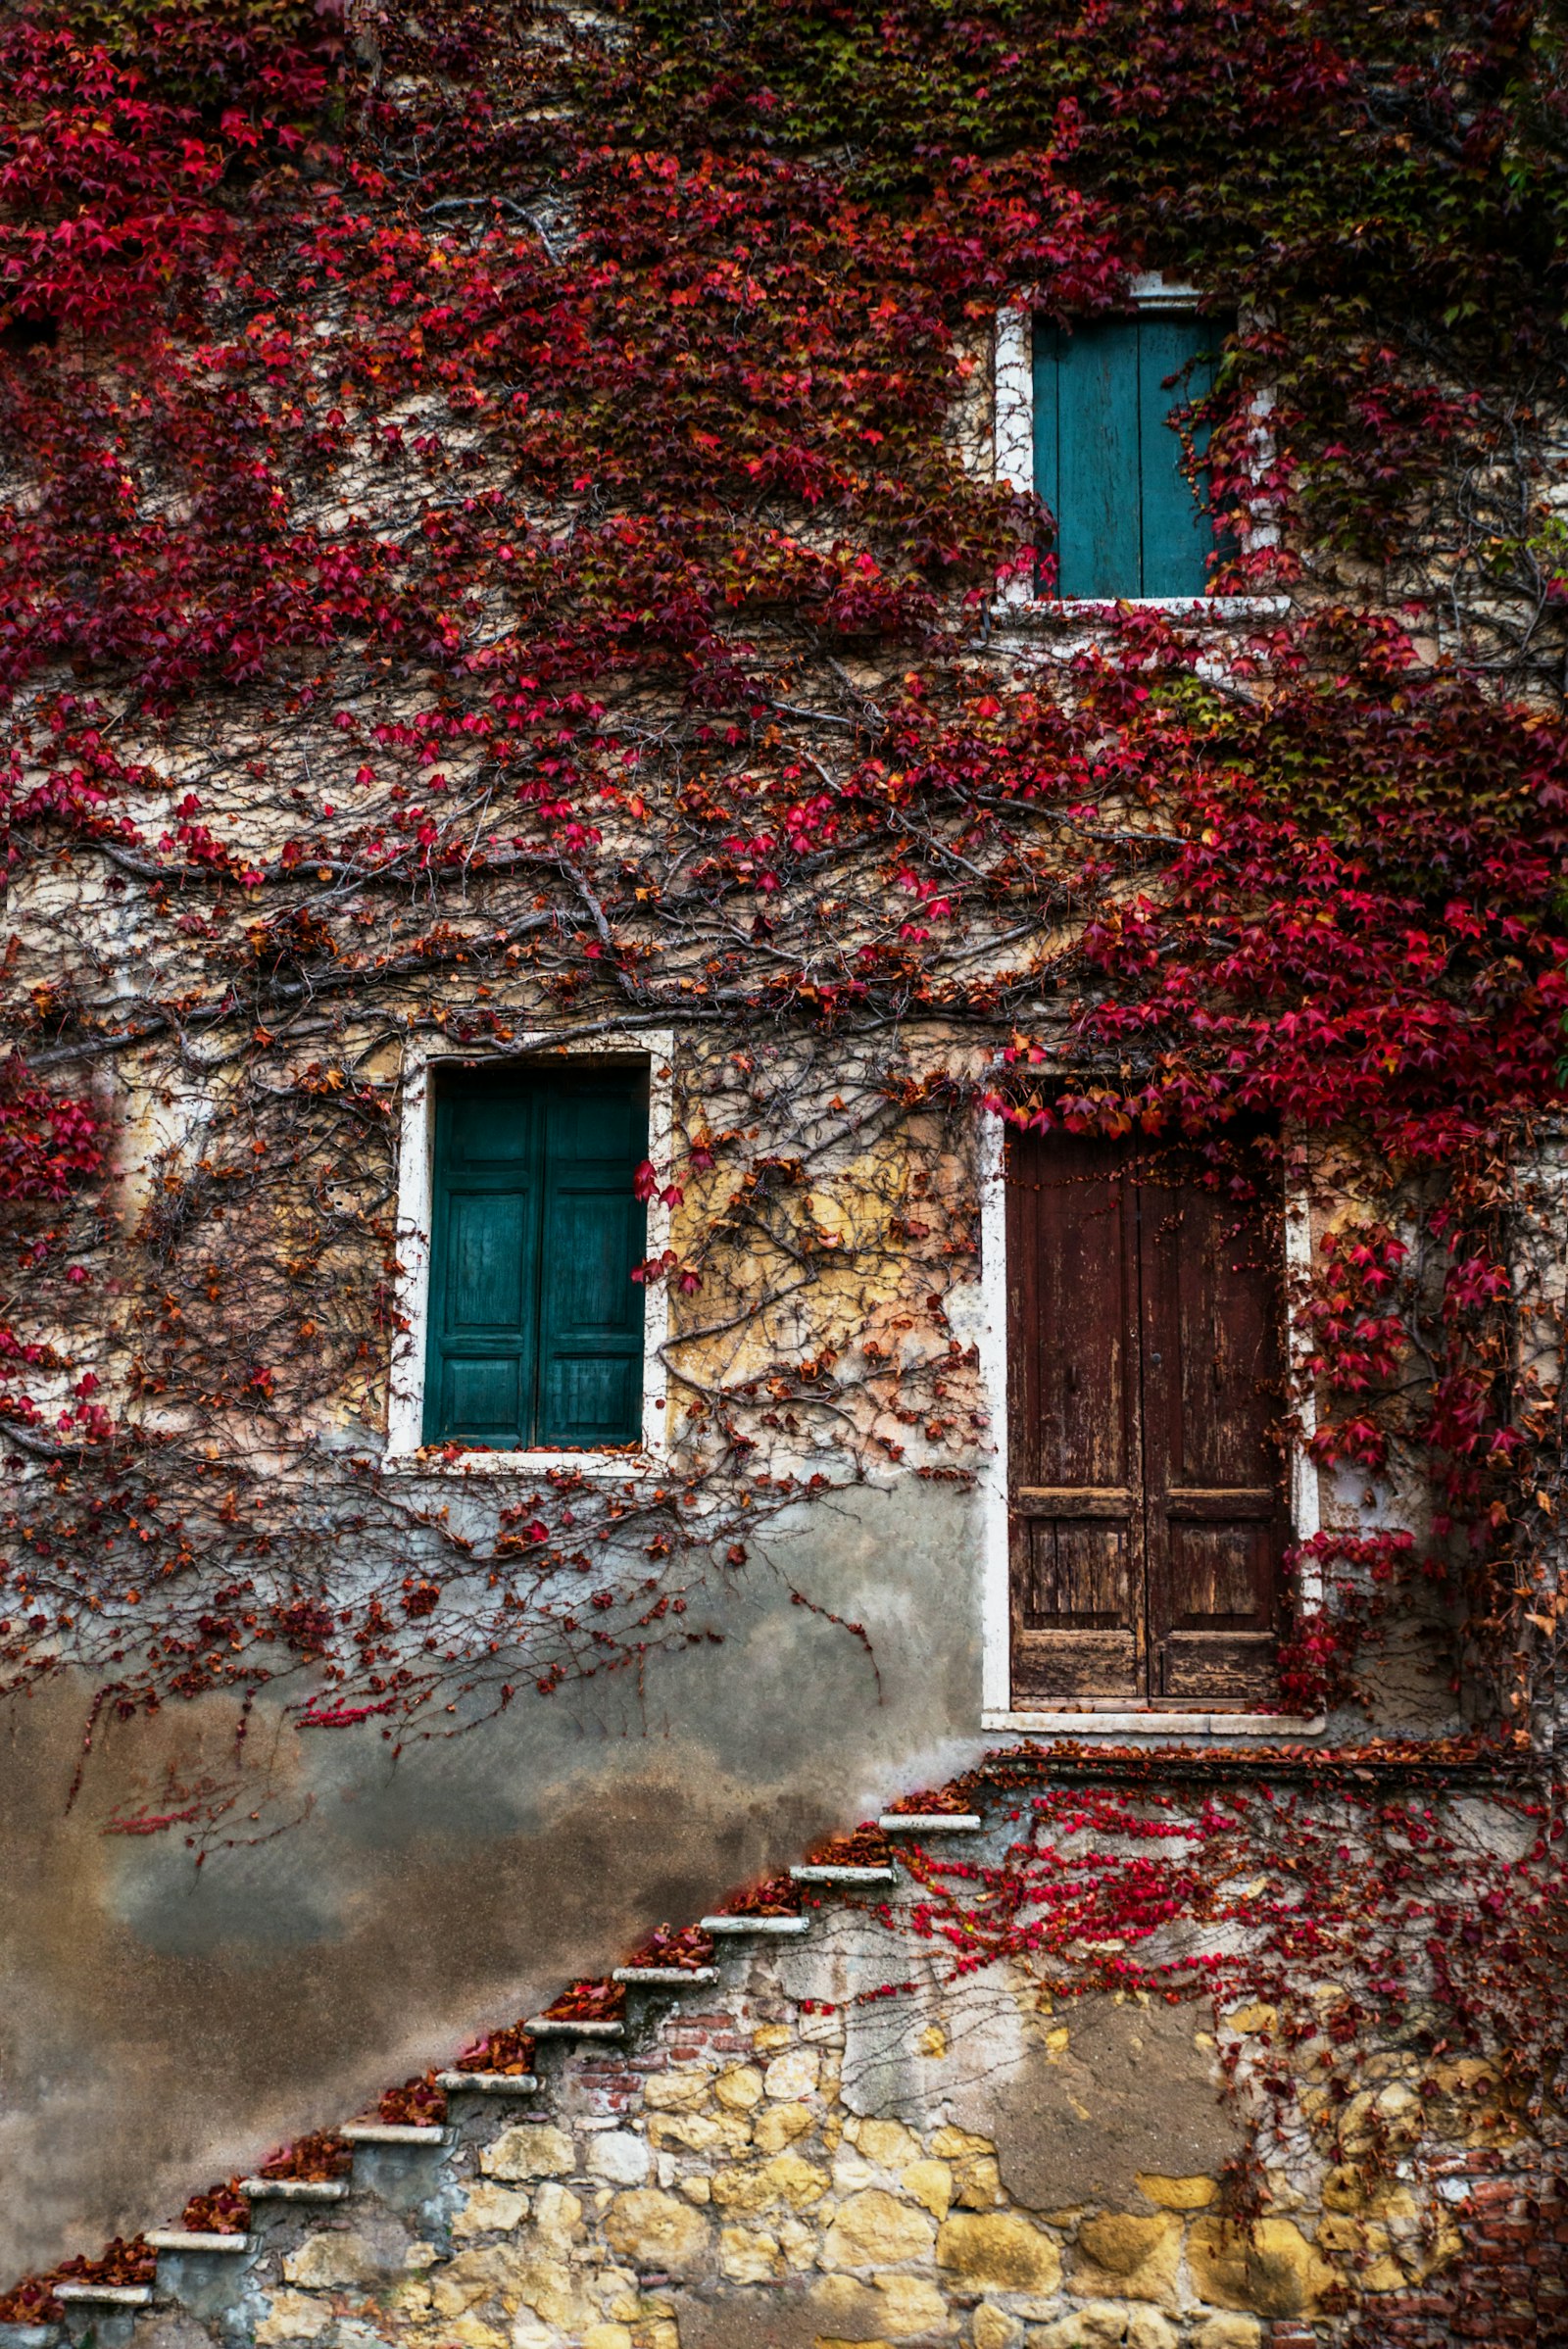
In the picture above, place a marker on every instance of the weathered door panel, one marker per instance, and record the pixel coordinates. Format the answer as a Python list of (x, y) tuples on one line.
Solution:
[(1212, 1378), (1075, 1471)]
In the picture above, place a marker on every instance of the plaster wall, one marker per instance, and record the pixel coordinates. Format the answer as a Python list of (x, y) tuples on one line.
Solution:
[(163, 2020)]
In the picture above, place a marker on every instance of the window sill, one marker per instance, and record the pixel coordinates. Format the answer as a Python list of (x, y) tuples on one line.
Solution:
[(1218, 608), (433, 1462), (1134, 1724)]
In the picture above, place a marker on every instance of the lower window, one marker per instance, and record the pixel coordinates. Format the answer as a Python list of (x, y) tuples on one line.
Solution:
[(535, 1322), (1146, 1389)]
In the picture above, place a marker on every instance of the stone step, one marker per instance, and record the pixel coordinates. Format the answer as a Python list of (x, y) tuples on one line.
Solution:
[(184, 2238), (669, 1977), (757, 1925), (827, 1872), (295, 2190), (106, 2295), (564, 2027), (392, 2132), (488, 2083), (930, 1823)]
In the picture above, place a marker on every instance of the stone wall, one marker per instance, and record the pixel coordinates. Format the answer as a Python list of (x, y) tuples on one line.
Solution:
[(851, 2137)]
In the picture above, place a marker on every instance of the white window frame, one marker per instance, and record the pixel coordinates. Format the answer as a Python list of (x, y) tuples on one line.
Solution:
[(1111, 1717), (1013, 454), (404, 1417)]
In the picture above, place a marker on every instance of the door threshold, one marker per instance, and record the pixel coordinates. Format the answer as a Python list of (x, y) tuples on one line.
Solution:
[(1095, 1721)]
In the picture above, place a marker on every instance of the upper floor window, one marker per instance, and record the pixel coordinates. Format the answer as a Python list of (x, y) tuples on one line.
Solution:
[(1108, 457), (535, 1323)]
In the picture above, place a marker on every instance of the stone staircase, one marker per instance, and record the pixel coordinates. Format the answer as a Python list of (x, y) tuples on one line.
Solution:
[(395, 2167)]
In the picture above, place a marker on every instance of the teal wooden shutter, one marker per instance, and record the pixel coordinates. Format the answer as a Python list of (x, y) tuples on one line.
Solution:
[(595, 1230), (1109, 464), (1177, 535), (1085, 426), (535, 1326), (483, 1265)]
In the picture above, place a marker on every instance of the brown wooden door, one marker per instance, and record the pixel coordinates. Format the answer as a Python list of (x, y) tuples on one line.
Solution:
[(1145, 1477)]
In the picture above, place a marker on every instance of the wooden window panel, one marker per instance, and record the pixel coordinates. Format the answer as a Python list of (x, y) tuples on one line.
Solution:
[(535, 1325), (1109, 463)]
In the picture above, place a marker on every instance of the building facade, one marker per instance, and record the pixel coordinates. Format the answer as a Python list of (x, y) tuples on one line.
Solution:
[(787, 973)]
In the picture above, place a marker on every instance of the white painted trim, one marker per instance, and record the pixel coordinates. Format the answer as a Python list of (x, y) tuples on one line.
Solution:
[(405, 1381), (1198, 607), (1306, 1497), (991, 1343), (1161, 1725), (1013, 428), (1150, 291)]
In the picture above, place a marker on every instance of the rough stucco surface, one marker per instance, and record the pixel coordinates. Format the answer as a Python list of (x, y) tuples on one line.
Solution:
[(771, 2163), (164, 2025)]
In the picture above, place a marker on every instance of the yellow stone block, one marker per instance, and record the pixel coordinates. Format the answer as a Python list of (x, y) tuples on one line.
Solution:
[(495, 2273), (293, 2317), (1343, 2189), (1256, 2017), (998, 2249), (653, 2229), (977, 2184), (676, 2091), (1122, 2256), (793, 2075), (1269, 2266), (1102, 2325), (911, 2305), (786, 2178), (768, 2037), (1229, 2333), (533, 2149), (557, 2216), (1177, 2193), (490, 2210), (888, 2143), (738, 2088), (873, 2230), (781, 2125), (699, 2132), (929, 2184), (747, 2258), (332, 2262), (993, 2329), (607, 2337), (469, 2332), (956, 2145), (1348, 2238)]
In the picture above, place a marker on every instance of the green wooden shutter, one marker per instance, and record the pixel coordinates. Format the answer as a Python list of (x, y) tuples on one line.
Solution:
[(535, 1325), (595, 1230), (1086, 427), (1177, 535), (1109, 464)]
